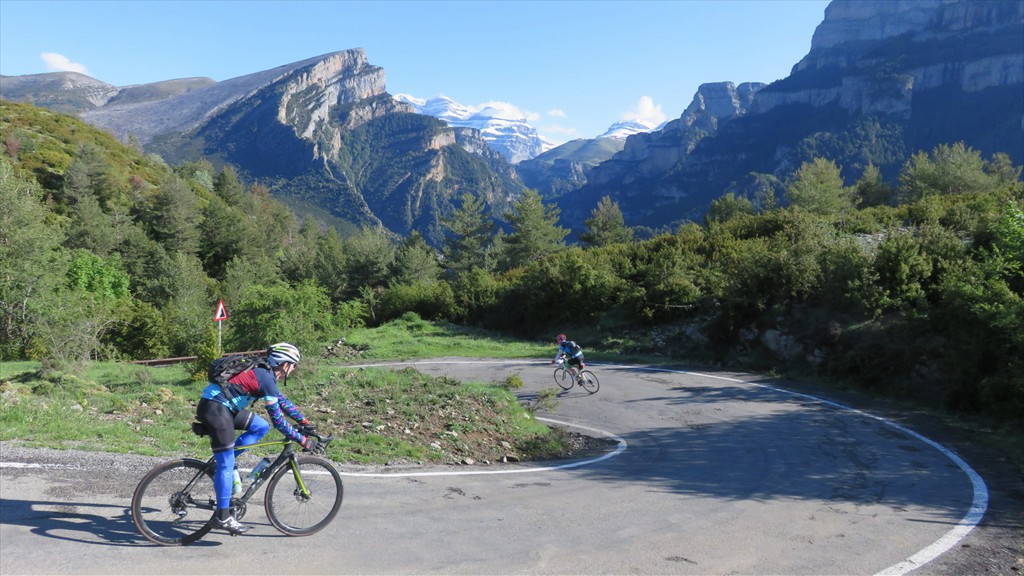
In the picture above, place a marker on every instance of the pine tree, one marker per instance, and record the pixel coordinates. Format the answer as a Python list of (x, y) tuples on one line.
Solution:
[(535, 232), (818, 188), (415, 261), (606, 225), (471, 232)]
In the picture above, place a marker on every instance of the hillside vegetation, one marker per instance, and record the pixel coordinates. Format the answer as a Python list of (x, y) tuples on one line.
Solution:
[(914, 291), (378, 415)]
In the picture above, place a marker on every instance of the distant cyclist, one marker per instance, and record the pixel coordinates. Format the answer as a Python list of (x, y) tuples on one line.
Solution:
[(224, 411), (569, 350)]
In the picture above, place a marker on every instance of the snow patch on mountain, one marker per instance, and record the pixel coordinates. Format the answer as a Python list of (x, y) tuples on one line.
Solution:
[(626, 128)]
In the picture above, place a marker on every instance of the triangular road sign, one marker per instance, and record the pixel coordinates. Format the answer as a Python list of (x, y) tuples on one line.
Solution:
[(222, 312)]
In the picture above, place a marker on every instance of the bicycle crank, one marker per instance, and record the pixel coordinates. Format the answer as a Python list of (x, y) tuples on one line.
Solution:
[(238, 511)]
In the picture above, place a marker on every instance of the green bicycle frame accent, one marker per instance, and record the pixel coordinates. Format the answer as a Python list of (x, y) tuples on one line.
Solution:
[(255, 485)]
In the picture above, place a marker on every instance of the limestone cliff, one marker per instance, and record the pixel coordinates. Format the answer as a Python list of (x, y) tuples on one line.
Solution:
[(872, 56), (309, 90)]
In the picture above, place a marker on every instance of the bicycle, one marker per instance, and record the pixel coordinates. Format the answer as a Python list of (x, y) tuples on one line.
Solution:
[(566, 378), (175, 501)]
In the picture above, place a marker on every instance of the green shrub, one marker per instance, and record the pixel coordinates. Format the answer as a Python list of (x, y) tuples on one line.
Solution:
[(268, 314), (431, 300)]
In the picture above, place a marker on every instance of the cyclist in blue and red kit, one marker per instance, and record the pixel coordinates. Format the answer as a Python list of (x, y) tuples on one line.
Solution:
[(571, 351), (224, 411)]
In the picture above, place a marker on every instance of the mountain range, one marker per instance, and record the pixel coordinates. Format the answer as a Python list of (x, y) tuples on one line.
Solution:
[(504, 128), (883, 80)]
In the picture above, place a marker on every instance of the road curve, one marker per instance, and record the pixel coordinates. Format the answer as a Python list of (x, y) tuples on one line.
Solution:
[(715, 474)]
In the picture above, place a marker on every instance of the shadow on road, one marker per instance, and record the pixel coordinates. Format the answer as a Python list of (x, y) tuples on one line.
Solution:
[(100, 524), (749, 442)]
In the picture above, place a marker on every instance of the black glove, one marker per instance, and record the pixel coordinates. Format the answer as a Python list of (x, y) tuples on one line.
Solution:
[(313, 445), (307, 429)]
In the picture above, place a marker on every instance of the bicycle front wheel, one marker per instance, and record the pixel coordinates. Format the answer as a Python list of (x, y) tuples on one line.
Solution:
[(174, 502), (563, 378), (589, 381), (304, 496)]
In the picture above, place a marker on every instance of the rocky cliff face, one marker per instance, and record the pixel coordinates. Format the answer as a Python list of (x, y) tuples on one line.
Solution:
[(884, 79), (851, 21), (310, 93), (310, 90), (872, 56)]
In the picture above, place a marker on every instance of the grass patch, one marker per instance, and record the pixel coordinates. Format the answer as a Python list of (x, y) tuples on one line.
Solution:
[(108, 407), (378, 415), (411, 337)]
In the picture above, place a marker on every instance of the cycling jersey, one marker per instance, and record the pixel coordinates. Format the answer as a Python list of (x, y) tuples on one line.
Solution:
[(223, 413), (570, 349), (256, 383)]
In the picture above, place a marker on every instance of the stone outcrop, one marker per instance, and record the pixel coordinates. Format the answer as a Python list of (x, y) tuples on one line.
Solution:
[(853, 21), (857, 40)]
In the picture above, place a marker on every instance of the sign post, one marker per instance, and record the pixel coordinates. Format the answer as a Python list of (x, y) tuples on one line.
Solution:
[(219, 316)]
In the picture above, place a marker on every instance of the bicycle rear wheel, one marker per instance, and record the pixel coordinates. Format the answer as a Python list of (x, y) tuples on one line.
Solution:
[(174, 502), (563, 378), (589, 381), (300, 513)]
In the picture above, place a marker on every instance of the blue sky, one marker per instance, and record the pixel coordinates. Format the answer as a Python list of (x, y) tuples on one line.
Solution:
[(572, 68)]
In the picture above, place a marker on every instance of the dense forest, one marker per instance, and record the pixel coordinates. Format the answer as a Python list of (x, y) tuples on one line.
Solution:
[(913, 289)]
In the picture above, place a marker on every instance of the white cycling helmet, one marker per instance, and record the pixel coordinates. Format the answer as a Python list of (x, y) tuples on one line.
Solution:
[(283, 352)]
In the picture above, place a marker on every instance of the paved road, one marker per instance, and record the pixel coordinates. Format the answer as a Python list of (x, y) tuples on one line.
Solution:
[(719, 474)]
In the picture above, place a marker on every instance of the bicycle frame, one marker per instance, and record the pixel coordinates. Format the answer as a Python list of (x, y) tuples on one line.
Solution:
[(287, 455), (164, 498), (569, 368)]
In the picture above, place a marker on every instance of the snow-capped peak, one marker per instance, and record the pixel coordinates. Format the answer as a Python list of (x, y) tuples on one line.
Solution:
[(501, 124)]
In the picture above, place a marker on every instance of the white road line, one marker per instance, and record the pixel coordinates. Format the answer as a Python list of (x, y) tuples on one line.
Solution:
[(950, 539), (973, 517), (34, 465)]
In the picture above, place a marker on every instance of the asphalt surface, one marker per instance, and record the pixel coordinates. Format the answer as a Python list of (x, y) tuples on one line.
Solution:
[(714, 474)]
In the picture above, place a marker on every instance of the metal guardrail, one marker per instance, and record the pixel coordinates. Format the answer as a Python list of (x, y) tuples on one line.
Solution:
[(183, 359)]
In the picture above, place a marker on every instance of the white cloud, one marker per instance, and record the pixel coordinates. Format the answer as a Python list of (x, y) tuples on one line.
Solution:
[(645, 110), (498, 109), (557, 134), (60, 63), (559, 129), (557, 112)]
